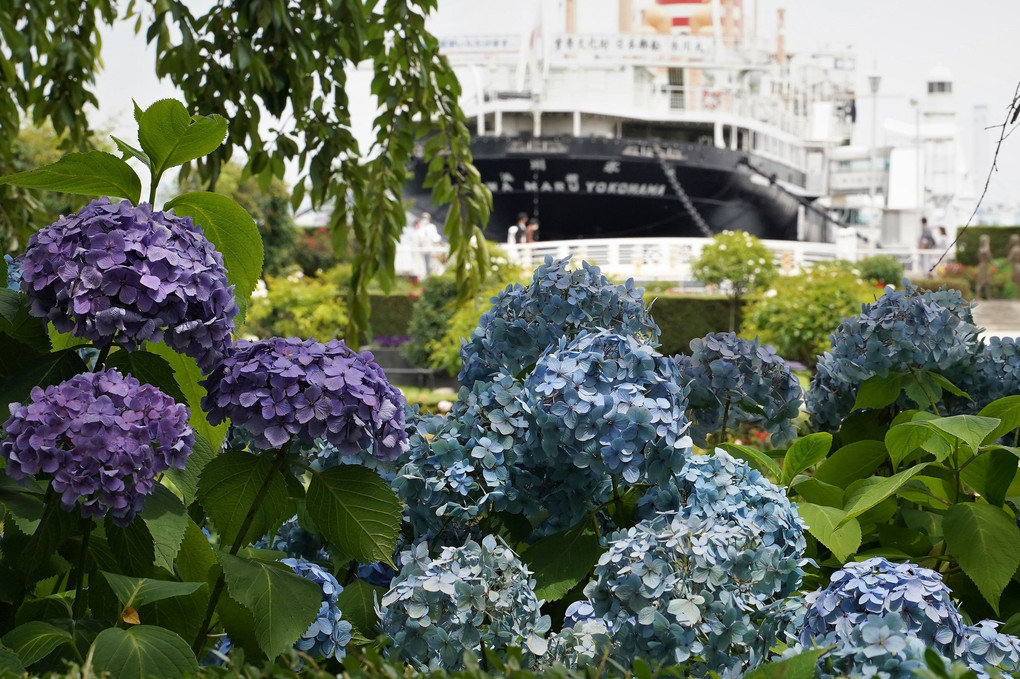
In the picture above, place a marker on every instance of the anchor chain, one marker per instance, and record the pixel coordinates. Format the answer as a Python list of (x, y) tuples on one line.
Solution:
[(685, 200)]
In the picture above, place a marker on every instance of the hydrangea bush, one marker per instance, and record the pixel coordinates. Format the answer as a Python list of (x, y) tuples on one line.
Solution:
[(733, 381), (904, 330), (329, 634)]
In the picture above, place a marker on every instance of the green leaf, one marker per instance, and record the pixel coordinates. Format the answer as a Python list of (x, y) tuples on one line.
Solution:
[(196, 557), (971, 429), (800, 666), (148, 368), (358, 601), (949, 386), (133, 547), (1007, 411), (356, 511), (991, 473), (903, 439), (43, 372), (805, 452), (186, 480), (167, 520), (16, 321), (560, 561), (130, 151), (282, 603), (878, 391), (832, 528), (923, 390), (819, 492), (851, 463), (95, 173), (170, 137), (233, 231), (180, 614), (754, 457), (879, 491), (10, 663), (188, 374), (141, 652), (229, 487), (35, 640), (986, 543), (135, 592)]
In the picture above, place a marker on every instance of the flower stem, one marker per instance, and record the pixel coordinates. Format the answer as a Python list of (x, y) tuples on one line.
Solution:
[(79, 584), (203, 631), (104, 353)]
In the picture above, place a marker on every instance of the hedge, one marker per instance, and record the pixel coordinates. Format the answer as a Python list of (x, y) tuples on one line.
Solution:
[(391, 315), (967, 246), (682, 318)]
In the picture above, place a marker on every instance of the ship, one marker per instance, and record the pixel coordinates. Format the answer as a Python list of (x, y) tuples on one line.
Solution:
[(682, 123)]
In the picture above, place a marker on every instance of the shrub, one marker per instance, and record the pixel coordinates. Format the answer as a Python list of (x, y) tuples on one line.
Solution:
[(682, 318), (313, 250), (297, 306), (967, 246), (884, 269), (430, 317), (962, 283), (798, 313), (738, 259)]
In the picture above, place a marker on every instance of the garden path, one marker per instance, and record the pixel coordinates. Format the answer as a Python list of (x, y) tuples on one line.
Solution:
[(999, 317)]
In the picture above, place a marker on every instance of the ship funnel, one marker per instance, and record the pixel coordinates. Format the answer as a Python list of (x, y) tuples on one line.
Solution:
[(626, 16), (781, 37)]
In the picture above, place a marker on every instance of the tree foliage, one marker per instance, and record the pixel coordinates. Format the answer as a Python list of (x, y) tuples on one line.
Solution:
[(288, 60)]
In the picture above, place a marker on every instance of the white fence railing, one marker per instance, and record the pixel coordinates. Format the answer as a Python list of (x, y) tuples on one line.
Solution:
[(669, 259)]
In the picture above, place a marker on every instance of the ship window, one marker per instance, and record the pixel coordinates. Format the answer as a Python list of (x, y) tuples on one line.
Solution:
[(934, 87)]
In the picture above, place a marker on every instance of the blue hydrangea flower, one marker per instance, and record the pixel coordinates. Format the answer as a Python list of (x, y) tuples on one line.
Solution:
[(329, 634), (877, 587), (470, 596), (101, 438), (525, 320), (13, 273), (605, 404), (904, 329), (727, 375), (585, 639), (995, 375), (116, 272), (282, 389), (879, 645), (702, 580), (987, 647)]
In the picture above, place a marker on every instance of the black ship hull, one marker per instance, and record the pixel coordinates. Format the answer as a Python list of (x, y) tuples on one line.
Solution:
[(619, 188)]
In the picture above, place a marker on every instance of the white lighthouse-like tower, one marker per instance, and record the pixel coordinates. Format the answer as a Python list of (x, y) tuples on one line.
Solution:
[(939, 139)]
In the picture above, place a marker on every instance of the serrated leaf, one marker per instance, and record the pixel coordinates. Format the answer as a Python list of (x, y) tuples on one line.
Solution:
[(130, 151), (95, 173), (170, 137), (10, 663), (819, 492), (229, 488), (754, 457), (20, 325), (842, 539), (180, 614), (903, 439), (167, 520), (234, 234), (35, 640), (148, 368), (880, 490), (560, 561), (135, 592), (805, 452), (133, 547), (356, 511), (852, 462), (141, 652), (188, 374), (800, 666), (986, 543), (878, 391), (991, 473), (1007, 411), (357, 603), (196, 556), (282, 603), (971, 429), (186, 480), (950, 387)]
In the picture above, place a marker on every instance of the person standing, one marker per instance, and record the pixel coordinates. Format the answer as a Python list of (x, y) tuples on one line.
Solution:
[(515, 234), (926, 242), (426, 239), (531, 231)]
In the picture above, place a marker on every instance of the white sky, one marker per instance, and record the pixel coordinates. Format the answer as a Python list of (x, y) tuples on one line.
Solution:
[(979, 41)]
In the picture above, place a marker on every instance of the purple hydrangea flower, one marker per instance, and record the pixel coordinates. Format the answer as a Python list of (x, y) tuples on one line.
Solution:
[(279, 389), (102, 438), (114, 271)]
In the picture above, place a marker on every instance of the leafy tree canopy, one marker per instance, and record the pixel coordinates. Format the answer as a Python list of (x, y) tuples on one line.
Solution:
[(287, 60)]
